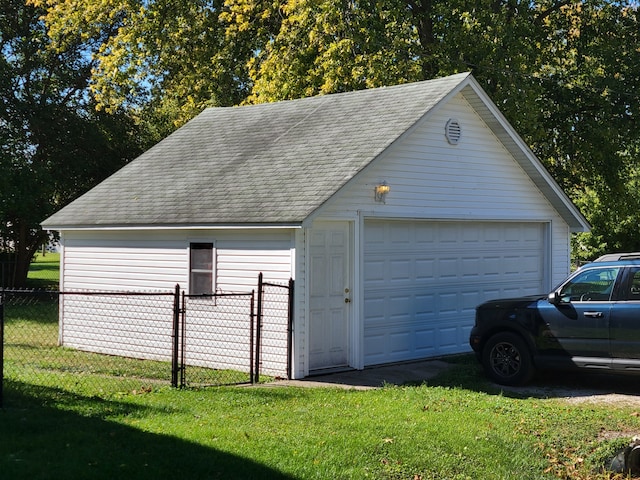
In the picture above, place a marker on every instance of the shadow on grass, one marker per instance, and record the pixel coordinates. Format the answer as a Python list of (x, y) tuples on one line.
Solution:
[(42, 284), (41, 441), (467, 373)]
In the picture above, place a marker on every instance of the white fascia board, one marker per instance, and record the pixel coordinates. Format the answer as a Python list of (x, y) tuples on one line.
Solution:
[(68, 228)]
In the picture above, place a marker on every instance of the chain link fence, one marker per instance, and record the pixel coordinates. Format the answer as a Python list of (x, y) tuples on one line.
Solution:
[(105, 343), (40, 349)]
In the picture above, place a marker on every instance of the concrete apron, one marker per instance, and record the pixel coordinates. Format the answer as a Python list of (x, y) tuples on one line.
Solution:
[(372, 377)]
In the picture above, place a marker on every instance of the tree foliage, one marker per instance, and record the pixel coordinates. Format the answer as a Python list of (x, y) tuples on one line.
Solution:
[(167, 58), (54, 144), (564, 72)]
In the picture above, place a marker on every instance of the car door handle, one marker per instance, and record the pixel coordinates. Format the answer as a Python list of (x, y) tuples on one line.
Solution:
[(594, 314)]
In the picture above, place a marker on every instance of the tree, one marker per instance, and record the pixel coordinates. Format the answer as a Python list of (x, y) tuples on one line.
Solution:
[(593, 148), (333, 46), (165, 58), (54, 143), (564, 72)]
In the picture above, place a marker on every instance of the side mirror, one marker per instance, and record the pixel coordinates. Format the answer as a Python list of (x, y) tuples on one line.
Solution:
[(554, 298)]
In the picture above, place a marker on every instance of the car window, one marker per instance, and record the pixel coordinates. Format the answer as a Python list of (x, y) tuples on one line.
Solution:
[(590, 286), (632, 290)]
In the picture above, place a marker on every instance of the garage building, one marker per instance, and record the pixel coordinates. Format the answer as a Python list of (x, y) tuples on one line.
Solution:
[(396, 211)]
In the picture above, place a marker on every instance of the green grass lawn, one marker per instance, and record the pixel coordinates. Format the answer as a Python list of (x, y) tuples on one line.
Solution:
[(456, 427), (32, 356), (44, 271)]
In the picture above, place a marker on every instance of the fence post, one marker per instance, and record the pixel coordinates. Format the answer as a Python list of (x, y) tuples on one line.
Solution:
[(258, 327), (175, 337), (183, 340), (1, 348), (290, 329), (251, 334)]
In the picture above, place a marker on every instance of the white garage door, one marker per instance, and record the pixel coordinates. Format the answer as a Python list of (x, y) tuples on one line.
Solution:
[(423, 280)]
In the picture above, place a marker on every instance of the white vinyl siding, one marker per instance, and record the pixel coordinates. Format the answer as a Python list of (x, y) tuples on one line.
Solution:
[(477, 179), (129, 326), (123, 264), (240, 262), (158, 260)]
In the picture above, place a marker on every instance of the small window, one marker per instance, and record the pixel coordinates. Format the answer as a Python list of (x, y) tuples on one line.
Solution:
[(202, 269)]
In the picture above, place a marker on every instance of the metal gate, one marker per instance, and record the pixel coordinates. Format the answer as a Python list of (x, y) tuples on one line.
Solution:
[(220, 339), (214, 340), (275, 329)]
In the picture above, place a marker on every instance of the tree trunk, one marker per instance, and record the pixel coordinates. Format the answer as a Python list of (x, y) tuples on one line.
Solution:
[(14, 265), (422, 11), (7, 269), (22, 264)]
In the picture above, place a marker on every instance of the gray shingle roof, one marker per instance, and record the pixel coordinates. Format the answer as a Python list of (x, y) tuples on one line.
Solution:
[(276, 163), (272, 163)]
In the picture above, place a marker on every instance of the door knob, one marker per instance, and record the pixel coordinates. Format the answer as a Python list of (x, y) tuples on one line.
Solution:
[(347, 300)]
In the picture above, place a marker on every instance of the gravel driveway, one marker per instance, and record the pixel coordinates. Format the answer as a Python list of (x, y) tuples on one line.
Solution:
[(623, 390)]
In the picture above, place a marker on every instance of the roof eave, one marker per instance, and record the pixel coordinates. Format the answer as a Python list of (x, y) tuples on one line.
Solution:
[(134, 227)]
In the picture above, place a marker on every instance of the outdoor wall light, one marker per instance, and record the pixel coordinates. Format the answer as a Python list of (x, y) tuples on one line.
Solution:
[(381, 191)]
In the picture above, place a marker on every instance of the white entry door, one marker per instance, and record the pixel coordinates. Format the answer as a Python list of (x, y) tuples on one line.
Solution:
[(330, 295)]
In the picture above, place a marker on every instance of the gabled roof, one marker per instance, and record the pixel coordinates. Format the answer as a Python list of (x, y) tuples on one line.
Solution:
[(276, 163)]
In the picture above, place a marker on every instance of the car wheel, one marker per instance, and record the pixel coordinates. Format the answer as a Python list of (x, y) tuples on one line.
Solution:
[(506, 359)]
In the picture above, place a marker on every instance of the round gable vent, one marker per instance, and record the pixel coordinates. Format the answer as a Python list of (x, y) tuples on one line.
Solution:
[(453, 131)]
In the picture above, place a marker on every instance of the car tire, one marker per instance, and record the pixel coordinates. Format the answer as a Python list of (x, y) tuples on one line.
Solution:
[(506, 359)]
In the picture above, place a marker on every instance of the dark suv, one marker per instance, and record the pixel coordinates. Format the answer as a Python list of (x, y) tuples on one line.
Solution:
[(591, 321)]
